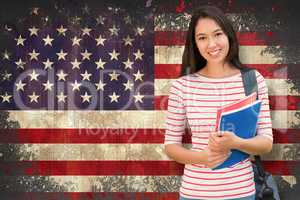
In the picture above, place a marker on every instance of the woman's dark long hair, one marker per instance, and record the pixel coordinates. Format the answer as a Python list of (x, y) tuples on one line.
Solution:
[(192, 60)]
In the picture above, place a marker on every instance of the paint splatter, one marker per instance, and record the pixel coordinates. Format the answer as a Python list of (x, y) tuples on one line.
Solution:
[(148, 3), (181, 7)]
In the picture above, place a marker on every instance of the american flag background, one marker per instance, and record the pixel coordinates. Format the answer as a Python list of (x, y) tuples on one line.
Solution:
[(84, 87)]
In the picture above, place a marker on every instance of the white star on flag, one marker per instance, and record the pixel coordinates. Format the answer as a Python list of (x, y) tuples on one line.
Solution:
[(138, 98), (86, 31), (33, 97), (138, 76), (6, 55), (33, 76), (86, 76), (61, 55), (48, 64), (128, 85), (61, 75), (20, 64), (75, 64), (6, 76), (61, 30), (75, 41), (114, 97), (33, 31), (48, 86), (100, 64), (86, 55), (100, 20), (75, 86), (138, 55), (127, 19), (20, 40), (128, 64), (139, 31), (34, 55), (100, 85), (48, 40), (100, 40), (6, 98), (85, 97), (61, 97), (20, 85), (113, 76), (128, 41), (114, 31), (114, 55)]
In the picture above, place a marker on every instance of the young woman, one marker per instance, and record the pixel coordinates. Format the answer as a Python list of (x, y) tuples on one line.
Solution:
[(212, 58)]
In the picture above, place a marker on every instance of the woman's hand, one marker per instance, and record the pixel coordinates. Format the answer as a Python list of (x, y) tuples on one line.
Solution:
[(213, 158), (223, 141)]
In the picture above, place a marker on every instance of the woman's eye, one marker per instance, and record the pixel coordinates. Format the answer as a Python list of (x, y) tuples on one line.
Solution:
[(201, 38), (219, 34)]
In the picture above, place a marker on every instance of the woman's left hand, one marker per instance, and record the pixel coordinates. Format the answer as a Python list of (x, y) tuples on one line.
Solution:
[(223, 141)]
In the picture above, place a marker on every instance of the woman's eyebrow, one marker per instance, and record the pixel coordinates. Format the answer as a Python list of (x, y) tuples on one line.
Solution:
[(199, 34), (217, 30)]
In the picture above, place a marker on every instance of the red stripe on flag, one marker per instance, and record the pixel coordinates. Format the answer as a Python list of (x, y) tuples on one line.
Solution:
[(169, 37), (81, 136), (147, 136), (282, 168), (244, 38), (167, 71), (284, 102), (89, 195), (273, 70), (276, 102), (161, 102), (258, 38), (284, 136), (119, 168), (172, 71), (88, 168)]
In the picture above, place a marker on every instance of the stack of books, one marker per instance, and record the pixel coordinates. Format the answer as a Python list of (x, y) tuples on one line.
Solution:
[(240, 118)]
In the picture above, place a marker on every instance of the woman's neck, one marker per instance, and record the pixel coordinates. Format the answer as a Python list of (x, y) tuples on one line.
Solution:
[(219, 70)]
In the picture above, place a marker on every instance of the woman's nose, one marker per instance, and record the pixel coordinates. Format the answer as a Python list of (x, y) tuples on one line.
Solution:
[(211, 42)]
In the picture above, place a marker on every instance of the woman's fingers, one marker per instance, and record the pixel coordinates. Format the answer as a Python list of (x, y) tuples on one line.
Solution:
[(217, 159), (217, 148)]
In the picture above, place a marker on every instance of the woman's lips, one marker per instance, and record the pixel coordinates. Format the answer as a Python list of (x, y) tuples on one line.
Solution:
[(214, 52)]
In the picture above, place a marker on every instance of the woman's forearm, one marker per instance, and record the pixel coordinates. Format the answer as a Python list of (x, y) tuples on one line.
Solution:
[(185, 156), (255, 146)]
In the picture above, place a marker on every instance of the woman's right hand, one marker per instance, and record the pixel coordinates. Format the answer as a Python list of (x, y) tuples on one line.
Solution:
[(213, 158)]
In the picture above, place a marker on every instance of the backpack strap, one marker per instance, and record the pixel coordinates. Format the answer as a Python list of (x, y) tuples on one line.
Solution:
[(250, 86), (249, 81)]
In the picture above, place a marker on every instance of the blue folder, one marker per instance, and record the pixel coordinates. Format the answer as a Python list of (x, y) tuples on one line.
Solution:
[(243, 123)]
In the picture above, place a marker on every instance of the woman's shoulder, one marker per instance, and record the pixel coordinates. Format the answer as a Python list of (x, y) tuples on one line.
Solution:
[(186, 78), (182, 82)]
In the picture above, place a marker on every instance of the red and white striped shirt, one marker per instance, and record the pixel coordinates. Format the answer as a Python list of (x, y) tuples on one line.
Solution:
[(194, 100)]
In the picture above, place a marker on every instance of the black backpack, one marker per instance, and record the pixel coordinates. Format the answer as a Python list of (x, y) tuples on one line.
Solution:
[(266, 187)]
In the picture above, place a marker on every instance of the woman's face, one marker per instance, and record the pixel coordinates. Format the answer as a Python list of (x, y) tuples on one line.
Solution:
[(212, 42)]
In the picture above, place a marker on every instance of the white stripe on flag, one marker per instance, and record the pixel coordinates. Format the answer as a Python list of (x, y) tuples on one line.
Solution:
[(124, 152), (87, 119), (248, 55), (282, 119)]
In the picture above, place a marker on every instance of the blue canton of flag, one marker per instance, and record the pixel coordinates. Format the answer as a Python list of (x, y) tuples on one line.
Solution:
[(66, 64)]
